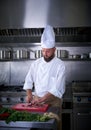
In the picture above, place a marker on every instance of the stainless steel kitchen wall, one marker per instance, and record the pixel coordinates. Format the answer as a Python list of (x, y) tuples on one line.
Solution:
[(18, 72), (38, 13), (14, 72), (4, 73)]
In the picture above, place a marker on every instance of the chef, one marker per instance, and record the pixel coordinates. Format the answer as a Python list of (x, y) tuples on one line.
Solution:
[(46, 73)]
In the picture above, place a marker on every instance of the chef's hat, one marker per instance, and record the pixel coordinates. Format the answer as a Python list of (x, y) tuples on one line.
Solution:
[(48, 38)]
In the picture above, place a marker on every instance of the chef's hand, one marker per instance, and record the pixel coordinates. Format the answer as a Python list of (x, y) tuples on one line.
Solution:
[(46, 98), (29, 96)]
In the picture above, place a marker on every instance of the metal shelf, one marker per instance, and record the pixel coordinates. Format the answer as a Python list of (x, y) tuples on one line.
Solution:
[(73, 44), (66, 59), (10, 60), (63, 59)]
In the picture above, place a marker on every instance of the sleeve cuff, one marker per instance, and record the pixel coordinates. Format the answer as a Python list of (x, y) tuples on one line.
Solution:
[(55, 93), (27, 86)]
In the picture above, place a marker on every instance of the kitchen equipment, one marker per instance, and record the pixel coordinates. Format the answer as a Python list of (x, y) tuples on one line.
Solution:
[(32, 54), (67, 109), (38, 53), (31, 108), (82, 105), (23, 125), (64, 53), (1, 54), (90, 55), (5, 54), (21, 54), (84, 56), (11, 95), (76, 56)]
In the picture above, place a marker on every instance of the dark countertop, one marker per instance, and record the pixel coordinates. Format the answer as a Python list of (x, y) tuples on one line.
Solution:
[(51, 124)]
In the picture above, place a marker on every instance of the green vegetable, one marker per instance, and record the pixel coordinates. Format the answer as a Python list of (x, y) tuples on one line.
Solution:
[(23, 116), (6, 110), (26, 116)]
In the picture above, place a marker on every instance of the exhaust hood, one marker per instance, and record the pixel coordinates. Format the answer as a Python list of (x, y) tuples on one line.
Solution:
[(38, 13), (33, 35), (24, 20)]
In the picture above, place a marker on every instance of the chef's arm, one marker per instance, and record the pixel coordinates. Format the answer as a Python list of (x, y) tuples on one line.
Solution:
[(29, 95)]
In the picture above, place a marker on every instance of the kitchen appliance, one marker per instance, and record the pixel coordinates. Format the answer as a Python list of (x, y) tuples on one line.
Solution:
[(81, 105), (10, 95), (21, 54), (5, 54), (62, 53), (67, 109), (14, 97)]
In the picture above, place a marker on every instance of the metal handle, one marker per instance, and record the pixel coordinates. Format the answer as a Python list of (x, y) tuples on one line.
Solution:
[(84, 114)]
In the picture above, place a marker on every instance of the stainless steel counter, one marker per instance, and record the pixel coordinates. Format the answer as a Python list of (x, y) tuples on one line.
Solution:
[(51, 124)]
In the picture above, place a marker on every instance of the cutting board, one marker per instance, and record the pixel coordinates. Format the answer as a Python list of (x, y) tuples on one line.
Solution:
[(30, 108)]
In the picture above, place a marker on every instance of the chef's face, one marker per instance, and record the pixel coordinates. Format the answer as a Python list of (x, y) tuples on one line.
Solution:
[(48, 54)]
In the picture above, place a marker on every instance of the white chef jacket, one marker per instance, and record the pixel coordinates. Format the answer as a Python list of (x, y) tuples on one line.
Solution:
[(47, 77)]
